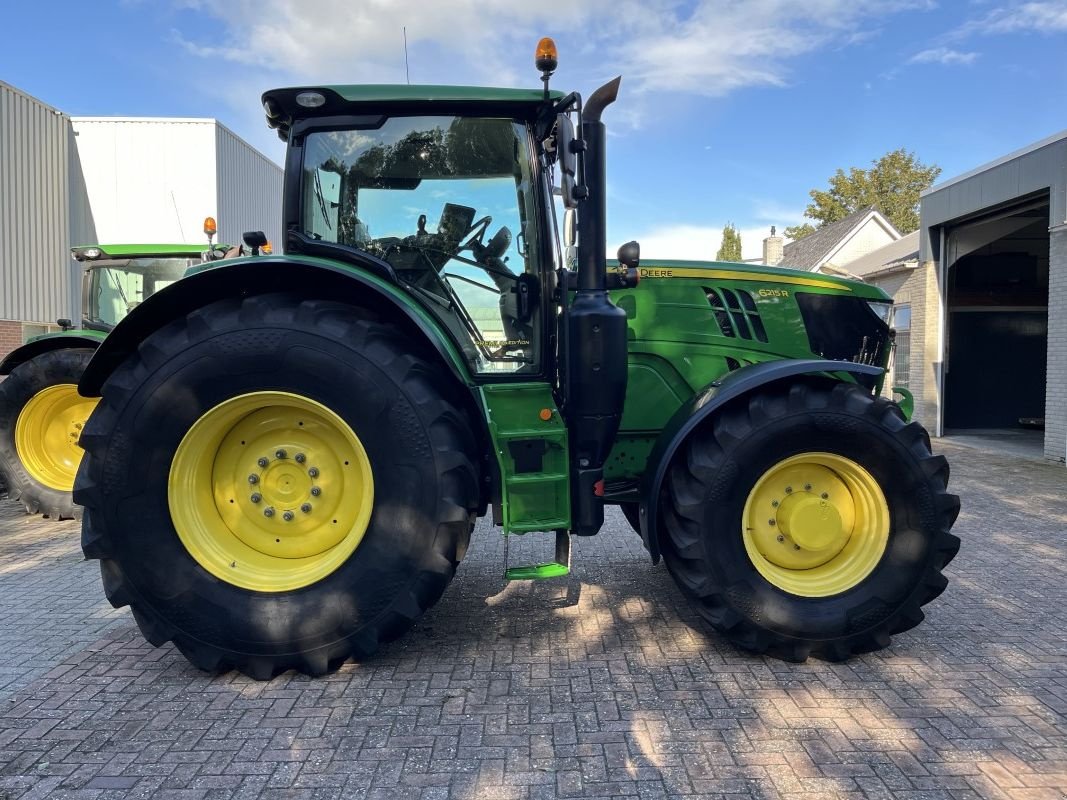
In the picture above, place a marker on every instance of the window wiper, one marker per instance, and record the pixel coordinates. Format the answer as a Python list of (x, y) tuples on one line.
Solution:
[(322, 201)]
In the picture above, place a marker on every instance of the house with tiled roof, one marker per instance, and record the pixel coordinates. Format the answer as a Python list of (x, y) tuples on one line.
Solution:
[(832, 247)]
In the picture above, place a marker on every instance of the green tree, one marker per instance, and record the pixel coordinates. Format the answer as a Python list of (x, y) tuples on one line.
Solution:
[(730, 249), (795, 232), (892, 185)]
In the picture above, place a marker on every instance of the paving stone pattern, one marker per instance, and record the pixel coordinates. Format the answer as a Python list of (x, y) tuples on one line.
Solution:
[(603, 684)]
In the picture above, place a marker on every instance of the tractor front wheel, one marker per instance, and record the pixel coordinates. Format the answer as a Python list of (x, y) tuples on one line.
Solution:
[(277, 484), (41, 420), (810, 520)]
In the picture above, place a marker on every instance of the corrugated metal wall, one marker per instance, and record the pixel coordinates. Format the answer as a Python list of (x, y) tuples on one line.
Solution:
[(146, 180), (249, 190), (36, 271)]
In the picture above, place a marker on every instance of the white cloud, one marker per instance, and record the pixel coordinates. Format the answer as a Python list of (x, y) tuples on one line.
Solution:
[(1039, 17), (942, 55), (696, 242), (709, 49)]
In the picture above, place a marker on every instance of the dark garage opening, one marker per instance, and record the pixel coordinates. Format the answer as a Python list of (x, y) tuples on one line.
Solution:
[(998, 321)]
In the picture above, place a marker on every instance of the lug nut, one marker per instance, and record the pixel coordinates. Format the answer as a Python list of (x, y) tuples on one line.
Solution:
[(306, 508), (825, 496), (279, 454), (781, 538), (263, 461), (268, 511), (300, 458), (774, 503), (256, 497), (788, 489), (288, 516), (313, 472), (771, 522), (807, 487), (253, 478), (315, 491), (796, 547)]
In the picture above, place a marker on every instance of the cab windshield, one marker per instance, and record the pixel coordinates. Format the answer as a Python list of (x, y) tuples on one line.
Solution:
[(115, 287), (449, 203)]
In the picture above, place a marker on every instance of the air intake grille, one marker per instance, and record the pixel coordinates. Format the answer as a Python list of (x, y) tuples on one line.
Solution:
[(736, 313)]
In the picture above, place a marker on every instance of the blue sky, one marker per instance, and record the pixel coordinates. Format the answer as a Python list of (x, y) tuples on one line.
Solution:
[(730, 111)]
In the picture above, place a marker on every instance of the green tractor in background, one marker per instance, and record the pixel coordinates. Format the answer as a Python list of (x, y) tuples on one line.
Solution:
[(41, 412), (289, 454)]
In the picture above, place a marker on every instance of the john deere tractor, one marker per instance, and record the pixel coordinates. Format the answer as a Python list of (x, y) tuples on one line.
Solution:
[(41, 412), (289, 454)]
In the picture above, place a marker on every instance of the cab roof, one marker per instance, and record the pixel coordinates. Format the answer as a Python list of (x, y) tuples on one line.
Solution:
[(282, 109)]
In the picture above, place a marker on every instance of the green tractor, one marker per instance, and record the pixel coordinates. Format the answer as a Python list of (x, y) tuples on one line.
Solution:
[(41, 412), (289, 454)]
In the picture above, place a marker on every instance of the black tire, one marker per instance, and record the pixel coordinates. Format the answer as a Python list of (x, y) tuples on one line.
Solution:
[(707, 488), (25, 381), (403, 407), (632, 512)]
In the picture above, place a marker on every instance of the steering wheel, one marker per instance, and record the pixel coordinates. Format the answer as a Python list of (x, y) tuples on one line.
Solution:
[(476, 232)]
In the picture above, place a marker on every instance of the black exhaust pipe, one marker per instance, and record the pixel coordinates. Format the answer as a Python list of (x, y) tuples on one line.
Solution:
[(595, 336)]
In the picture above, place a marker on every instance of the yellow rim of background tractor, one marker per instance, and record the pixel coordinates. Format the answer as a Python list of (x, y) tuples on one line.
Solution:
[(47, 432), (270, 491), (816, 524)]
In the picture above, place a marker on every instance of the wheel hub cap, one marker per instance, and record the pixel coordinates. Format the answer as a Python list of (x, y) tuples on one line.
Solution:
[(811, 522)]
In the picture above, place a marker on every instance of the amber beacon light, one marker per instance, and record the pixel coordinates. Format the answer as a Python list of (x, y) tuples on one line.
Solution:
[(546, 57)]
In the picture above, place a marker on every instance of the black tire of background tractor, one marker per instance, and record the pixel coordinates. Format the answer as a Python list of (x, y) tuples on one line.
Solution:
[(26, 380), (710, 480), (407, 414)]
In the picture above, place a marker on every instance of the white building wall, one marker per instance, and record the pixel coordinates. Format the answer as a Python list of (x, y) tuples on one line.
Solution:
[(35, 264), (145, 180), (249, 190), (866, 240)]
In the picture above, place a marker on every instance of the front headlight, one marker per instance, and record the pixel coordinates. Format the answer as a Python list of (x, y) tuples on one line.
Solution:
[(883, 310)]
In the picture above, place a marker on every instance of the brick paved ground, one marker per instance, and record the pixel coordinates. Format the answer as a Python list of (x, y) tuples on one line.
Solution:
[(601, 685)]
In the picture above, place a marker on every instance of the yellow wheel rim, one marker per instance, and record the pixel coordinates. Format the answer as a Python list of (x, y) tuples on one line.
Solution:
[(47, 432), (816, 524), (270, 491)]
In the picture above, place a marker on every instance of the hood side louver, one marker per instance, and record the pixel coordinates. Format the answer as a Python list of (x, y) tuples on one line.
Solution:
[(736, 314)]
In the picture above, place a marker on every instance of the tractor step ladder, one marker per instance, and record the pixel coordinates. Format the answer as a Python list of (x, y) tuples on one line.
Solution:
[(537, 572)]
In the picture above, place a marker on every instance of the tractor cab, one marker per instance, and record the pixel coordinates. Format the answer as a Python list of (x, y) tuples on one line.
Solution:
[(453, 205), (446, 193), (117, 278)]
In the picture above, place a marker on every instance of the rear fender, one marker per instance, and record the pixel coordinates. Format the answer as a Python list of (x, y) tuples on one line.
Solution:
[(60, 340), (318, 278), (703, 405)]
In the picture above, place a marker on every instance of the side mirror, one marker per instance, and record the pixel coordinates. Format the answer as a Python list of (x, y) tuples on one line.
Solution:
[(567, 158), (255, 240), (570, 227), (65, 324), (570, 238), (630, 255)]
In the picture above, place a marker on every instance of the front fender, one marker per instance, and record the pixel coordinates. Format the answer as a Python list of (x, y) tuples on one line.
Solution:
[(60, 340), (702, 405), (317, 277)]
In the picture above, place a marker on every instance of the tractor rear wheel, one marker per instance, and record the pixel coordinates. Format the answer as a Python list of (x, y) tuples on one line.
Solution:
[(277, 483), (41, 419), (810, 520)]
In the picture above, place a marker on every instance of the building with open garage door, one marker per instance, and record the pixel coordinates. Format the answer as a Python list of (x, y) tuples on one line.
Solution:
[(993, 245)]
